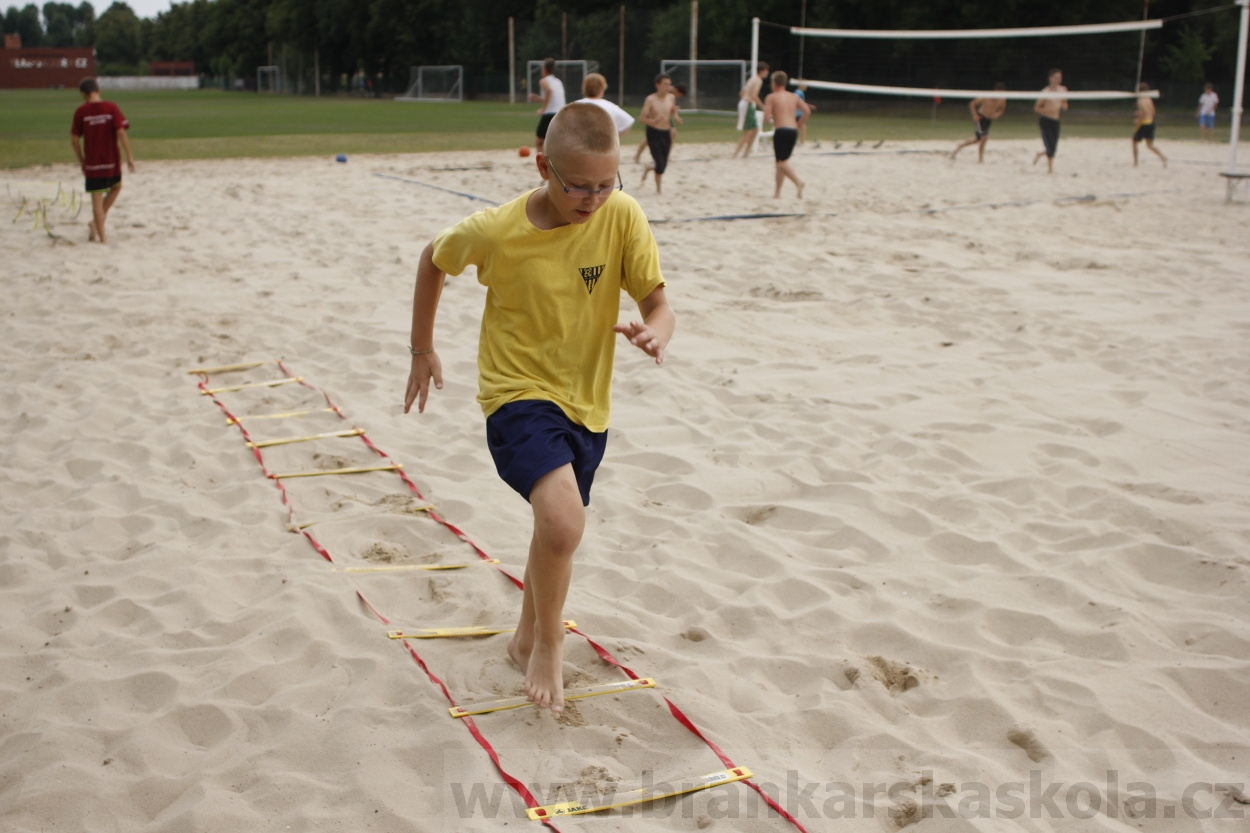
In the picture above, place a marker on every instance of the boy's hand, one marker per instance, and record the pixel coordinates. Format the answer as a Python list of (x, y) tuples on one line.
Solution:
[(425, 367), (643, 338)]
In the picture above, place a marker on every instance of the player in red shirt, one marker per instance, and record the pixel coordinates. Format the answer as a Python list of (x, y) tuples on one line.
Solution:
[(98, 128)]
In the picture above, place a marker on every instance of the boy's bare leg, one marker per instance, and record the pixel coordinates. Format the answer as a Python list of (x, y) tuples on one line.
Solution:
[(538, 644), (1134, 153), (784, 172), (981, 151), (98, 211), (1151, 146), (746, 140), (638, 152), (658, 178), (963, 145)]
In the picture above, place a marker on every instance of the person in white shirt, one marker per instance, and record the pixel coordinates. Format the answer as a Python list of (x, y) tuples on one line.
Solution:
[(1207, 102), (552, 98), (593, 88)]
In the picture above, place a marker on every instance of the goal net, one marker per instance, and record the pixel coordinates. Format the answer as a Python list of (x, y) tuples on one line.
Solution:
[(572, 73), (711, 86), (267, 80), (434, 83)]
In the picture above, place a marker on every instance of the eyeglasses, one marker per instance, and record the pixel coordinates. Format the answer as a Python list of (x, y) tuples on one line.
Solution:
[(582, 193)]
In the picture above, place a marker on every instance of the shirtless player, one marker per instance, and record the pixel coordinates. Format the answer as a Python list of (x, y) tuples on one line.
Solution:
[(984, 111), (1048, 111), (783, 108)]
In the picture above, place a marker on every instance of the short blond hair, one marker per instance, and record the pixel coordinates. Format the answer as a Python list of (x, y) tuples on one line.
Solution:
[(594, 85), (580, 128)]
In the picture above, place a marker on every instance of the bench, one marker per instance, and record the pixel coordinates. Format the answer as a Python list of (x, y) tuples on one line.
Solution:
[(1233, 181)]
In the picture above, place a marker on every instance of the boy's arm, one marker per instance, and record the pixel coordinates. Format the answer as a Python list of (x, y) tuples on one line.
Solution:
[(426, 366), (652, 334), (77, 142), (124, 139), (972, 107), (768, 109)]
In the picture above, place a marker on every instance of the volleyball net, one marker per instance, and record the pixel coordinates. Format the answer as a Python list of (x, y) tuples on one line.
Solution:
[(1100, 62)]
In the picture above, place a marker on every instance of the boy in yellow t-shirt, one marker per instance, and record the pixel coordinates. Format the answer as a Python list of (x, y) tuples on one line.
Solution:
[(554, 262)]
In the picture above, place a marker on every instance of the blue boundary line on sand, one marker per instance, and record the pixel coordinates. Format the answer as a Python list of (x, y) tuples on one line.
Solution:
[(730, 217), (438, 188), (1059, 201)]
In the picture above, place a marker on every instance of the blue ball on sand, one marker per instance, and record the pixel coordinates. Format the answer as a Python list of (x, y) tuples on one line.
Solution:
[(342, 157)]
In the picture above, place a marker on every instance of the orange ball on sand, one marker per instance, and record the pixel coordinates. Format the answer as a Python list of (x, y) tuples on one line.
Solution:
[(523, 151)]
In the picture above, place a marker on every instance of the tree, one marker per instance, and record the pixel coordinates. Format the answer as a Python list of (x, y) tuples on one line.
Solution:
[(1186, 60), (24, 22), (119, 41)]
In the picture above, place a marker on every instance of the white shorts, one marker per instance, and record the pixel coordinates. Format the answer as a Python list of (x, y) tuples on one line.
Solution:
[(742, 112)]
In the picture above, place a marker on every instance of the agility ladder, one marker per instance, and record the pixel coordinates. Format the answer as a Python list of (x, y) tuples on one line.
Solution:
[(464, 712)]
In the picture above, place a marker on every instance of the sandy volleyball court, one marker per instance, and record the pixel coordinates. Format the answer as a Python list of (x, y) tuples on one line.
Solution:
[(936, 515)]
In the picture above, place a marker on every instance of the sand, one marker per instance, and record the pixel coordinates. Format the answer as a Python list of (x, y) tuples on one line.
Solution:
[(935, 517)]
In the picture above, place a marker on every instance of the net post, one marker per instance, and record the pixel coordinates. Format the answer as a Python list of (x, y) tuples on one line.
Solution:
[(693, 92), (1239, 85), (755, 45), (511, 60)]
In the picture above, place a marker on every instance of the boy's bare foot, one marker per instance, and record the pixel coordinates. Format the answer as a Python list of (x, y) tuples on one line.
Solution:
[(646, 171), (800, 187), (91, 232), (1038, 158), (520, 655), (544, 678)]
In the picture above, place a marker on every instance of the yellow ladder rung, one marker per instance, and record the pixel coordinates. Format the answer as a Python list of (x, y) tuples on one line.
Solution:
[(361, 470), (391, 568), (287, 415), (225, 368), (487, 706), (638, 796), (471, 630), (353, 432), (273, 384)]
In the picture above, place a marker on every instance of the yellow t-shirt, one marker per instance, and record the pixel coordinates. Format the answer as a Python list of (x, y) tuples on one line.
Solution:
[(552, 299)]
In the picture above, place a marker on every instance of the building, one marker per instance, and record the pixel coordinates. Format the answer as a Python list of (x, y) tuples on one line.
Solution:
[(39, 68)]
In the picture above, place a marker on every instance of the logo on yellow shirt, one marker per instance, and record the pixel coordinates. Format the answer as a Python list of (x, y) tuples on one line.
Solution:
[(590, 275)]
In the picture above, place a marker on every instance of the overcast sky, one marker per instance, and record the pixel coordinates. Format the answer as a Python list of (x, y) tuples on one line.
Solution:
[(143, 8)]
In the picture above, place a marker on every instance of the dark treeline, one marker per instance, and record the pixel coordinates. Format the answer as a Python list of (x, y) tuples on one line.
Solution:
[(382, 39)]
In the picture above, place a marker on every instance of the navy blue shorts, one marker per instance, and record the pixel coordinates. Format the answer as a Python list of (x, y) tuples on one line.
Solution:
[(533, 437)]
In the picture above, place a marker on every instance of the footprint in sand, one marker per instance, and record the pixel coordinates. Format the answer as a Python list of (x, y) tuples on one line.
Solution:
[(1026, 740), (895, 676)]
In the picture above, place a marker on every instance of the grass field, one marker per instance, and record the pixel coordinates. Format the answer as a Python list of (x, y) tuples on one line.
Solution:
[(211, 124)]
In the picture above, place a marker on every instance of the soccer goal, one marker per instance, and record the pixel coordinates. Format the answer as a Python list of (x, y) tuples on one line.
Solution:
[(571, 73), (267, 80), (711, 86), (434, 83)]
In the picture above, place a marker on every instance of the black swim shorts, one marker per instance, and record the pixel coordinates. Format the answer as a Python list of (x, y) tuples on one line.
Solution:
[(784, 139), (1050, 134), (99, 184), (660, 143)]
